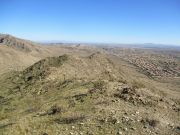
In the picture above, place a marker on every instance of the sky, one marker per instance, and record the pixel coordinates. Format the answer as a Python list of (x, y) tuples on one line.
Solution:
[(101, 21)]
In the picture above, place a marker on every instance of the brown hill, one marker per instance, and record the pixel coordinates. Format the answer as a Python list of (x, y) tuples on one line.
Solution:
[(17, 54), (19, 44), (81, 94), (85, 91)]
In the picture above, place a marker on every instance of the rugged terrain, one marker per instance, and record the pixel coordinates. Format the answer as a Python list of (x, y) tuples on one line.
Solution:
[(17, 54), (79, 89)]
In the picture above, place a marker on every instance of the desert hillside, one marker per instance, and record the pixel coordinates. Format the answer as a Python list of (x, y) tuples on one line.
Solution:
[(87, 90), (90, 67), (17, 54)]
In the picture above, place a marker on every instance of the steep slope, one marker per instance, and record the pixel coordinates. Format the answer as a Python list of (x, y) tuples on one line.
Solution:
[(69, 67), (17, 54), (19, 44), (95, 94)]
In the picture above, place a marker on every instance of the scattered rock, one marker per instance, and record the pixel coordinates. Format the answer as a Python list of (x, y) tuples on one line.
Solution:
[(73, 127), (71, 133), (119, 133), (177, 129), (81, 123), (80, 97), (134, 96), (133, 128), (149, 123), (125, 129), (171, 125), (112, 120), (53, 110)]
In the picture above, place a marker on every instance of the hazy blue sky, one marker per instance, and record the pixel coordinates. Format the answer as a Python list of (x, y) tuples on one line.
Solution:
[(117, 21)]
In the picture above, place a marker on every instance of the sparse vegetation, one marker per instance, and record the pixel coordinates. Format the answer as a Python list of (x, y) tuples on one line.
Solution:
[(94, 94), (150, 122), (100, 85), (70, 120), (54, 110)]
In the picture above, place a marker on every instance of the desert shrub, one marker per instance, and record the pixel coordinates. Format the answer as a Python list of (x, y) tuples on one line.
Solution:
[(150, 122), (80, 97), (54, 109), (91, 91), (178, 128), (57, 61), (122, 81), (153, 123), (127, 91), (71, 103), (70, 120), (99, 85), (3, 100)]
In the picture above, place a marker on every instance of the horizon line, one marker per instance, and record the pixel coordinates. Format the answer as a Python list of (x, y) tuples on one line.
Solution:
[(56, 41)]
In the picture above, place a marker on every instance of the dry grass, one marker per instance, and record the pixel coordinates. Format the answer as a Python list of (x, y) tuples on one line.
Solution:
[(137, 85), (77, 96)]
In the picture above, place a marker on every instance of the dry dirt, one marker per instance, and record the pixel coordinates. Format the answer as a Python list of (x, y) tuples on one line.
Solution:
[(90, 90)]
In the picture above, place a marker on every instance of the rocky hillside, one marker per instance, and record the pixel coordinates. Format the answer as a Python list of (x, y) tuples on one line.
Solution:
[(17, 54), (19, 44), (93, 95)]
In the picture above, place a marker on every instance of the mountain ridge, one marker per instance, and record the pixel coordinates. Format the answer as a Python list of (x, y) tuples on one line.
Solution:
[(85, 90)]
